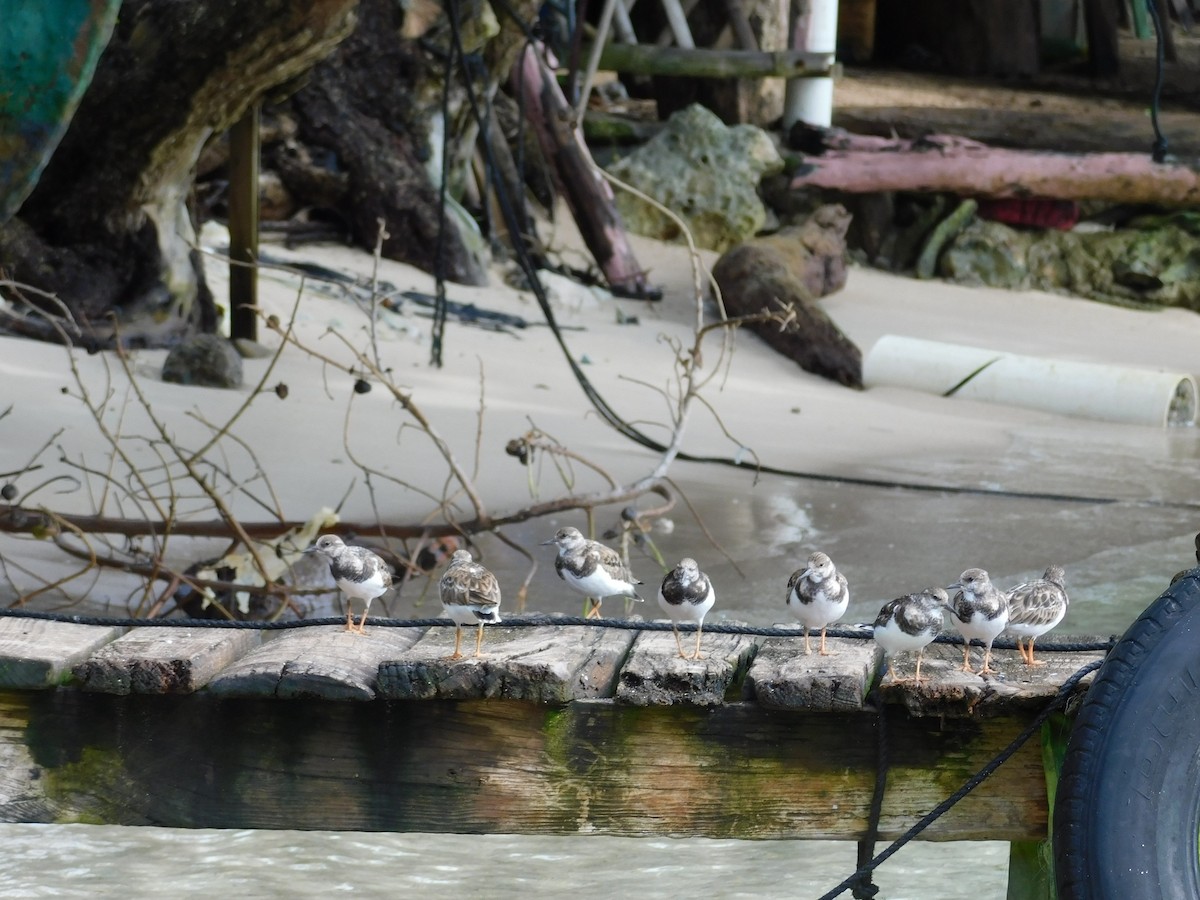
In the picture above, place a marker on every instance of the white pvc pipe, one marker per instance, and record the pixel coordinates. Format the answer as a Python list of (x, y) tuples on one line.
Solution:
[(1087, 390), (811, 99)]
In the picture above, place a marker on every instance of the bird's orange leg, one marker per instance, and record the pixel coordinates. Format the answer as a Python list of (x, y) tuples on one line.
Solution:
[(696, 652), (966, 667), (479, 641), (823, 651), (678, 642), (457, 642), (1031, 661), (987, 662), (807, 648)]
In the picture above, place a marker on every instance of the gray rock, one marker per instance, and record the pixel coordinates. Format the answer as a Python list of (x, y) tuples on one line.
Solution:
[(707, 173), (205, 360)]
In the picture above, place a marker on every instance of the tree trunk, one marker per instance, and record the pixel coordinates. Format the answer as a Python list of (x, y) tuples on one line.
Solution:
[(950, 164), (373, 104), (107, 228)]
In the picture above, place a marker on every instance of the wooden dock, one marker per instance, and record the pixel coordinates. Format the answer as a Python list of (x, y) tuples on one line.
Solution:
[(557, 729)]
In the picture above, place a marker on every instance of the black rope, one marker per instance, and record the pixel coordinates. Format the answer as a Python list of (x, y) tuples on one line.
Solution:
[(438, 331), (637, 436), (864, 887), (1060, 698), (531, 620), (1158, 150)]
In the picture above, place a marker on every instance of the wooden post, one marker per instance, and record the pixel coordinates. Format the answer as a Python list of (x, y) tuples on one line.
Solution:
[(1031, 863), (243, 225)]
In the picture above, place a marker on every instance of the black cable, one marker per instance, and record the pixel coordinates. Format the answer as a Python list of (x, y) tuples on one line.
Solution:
[(627, 430), (531, 620), (864, 888), (1158, 150), (1060, 698), (619, 424), (438, 331)]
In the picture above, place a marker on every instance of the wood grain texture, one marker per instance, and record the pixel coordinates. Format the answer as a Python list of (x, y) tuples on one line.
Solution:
[(38, 654), (164, 660), (1015, 689), (783, 677), (324, 662), (655, 675), (546, 665), (498, 766)]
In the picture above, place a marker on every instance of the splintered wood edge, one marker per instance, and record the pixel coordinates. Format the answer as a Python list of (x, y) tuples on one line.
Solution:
[(517, 663)]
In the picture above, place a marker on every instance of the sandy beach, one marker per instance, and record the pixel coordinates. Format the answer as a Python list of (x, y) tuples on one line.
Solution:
[(308, 451)]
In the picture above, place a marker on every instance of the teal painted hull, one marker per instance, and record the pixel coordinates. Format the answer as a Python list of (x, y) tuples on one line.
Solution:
[(48, 54)]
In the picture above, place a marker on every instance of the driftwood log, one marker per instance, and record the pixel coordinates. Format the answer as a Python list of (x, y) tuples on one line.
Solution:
[(946, 163), (785, 273), (588, 195)]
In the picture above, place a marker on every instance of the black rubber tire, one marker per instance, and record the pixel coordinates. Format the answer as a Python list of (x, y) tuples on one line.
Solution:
[(1127, 811)]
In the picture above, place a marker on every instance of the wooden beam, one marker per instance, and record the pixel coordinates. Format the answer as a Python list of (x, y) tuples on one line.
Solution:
[(736, 770), (243, 225), (640, 59)]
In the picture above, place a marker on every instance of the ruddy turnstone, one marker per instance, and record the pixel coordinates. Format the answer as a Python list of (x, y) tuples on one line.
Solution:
[(592, 569), (360, 574), (1035, 607), (686, 595), (910, 623), (980, 612), (471, 596), (817, 595)]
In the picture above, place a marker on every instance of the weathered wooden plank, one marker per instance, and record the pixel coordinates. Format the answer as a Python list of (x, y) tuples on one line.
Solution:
[(164, 660), (491, 766), (655, 675), (1014, 689), (783, 677), (39, 654), (547, 665), (323, 662)]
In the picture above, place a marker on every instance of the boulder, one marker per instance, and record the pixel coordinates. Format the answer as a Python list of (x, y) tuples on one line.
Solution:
[(205, 360), (704, 171)]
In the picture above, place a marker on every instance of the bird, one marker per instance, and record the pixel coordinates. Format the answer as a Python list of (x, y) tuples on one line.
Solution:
[(910, 623), (1035, 607), (817, 595), (360, 573), (686, 595), (980, 612), (591, 568), (470, 595)]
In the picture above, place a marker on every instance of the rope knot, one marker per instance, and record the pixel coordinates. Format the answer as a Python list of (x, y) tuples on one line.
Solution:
[(862, 887)]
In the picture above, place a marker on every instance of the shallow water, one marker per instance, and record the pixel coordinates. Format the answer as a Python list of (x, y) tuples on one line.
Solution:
[(87, 861)]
